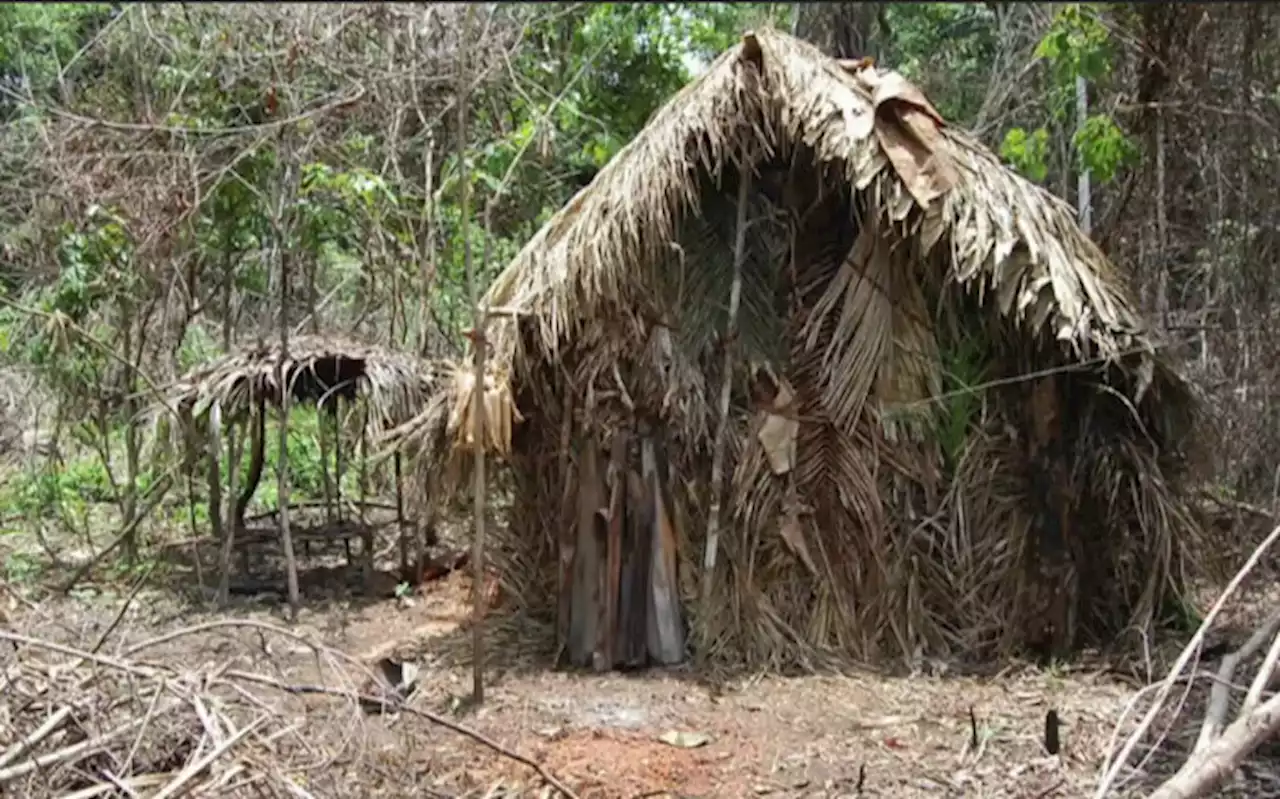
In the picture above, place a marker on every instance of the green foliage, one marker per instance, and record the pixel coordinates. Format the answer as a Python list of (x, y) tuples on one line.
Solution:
[(1077, 45), (306, 478), (46, 491), (197, 348), (38, 41), (947, 49), (1103, 148), (96, 263), (234, 217), (1029, 153), (22, 567)]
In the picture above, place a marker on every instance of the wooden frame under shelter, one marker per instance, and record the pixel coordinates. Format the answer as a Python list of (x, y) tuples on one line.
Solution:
[(809, 376), (219, 402)]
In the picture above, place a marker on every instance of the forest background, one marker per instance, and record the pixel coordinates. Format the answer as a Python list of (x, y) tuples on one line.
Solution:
[(164, 165)]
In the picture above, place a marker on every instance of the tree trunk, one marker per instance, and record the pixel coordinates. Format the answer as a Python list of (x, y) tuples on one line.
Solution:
[(282, 378), (841, 30), (129, 503), (1084, 198)]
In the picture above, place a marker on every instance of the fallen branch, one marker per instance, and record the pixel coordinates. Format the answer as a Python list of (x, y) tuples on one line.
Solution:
[(475, 735), (133, 783), (1111, 768), (1262, 679), (50, 726), (183, 686), (1208, 768), (1215, 714), (89, 746), (189, 773)]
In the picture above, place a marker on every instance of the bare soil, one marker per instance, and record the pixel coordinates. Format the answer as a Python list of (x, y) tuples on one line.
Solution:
[(854, 735), (858, 734)]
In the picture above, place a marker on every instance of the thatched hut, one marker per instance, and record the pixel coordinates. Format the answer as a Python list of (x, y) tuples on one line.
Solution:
[(949, 429), (237, 390)]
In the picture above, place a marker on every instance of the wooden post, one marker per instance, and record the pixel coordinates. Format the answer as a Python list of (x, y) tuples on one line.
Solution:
[(233, 519), (366, 533), (722, 423), (220, 533), (479, 319), (338, 467), (321, 409), (405, 571)]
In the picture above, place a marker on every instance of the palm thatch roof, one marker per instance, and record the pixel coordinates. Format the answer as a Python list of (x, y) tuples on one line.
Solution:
[(891, 263), (937, 184), (1013, 242), (318, 370)]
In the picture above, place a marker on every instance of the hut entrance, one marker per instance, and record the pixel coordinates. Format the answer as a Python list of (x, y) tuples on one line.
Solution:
[(352, 390), (619, 603)]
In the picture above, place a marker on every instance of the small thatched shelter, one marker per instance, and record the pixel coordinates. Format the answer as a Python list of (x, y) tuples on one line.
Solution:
[(237, 390), (320, 370), (949, 429)]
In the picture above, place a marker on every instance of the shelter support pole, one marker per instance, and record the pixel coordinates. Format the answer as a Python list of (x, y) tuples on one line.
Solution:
[(322, 410), (233, 518), (257, 458), (221, 532), (338, 468), (191, 439), (718, 486), (477, 551), (565, 532), (400, 526), (366, 532)]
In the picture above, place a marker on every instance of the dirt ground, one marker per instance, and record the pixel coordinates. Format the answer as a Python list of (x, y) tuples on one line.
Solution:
[(657, 733), (855, 735)]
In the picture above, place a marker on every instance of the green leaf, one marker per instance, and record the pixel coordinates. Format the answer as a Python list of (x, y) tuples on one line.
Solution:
[(1103, 148), (1029, 154)]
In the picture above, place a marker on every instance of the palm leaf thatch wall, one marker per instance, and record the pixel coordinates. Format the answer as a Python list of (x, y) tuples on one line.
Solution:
[(951, 432)]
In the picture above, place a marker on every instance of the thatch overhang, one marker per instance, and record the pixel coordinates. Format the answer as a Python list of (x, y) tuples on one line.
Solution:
[(881, 241), (319, 370)]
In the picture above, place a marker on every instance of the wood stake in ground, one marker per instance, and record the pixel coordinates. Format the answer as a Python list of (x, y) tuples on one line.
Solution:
[(726, 390), (477, 396), (282, 467)]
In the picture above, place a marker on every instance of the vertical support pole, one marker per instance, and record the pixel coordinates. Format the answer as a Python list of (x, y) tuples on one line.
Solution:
[(718, 488), (400, 528), (479, 320), (366, 532)]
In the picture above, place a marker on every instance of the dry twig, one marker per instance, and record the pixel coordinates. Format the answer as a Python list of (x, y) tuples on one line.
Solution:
[(180, 735)]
